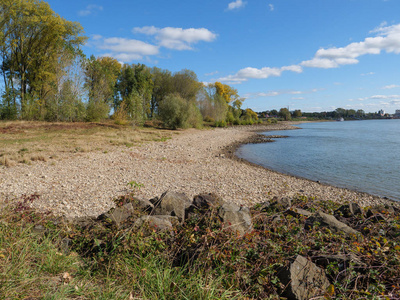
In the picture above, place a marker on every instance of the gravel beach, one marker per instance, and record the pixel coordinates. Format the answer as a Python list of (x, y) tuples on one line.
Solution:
[(192, 162)]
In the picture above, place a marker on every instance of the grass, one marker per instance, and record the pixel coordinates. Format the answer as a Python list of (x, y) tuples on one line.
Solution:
[(200, 260), (29, 141), (35, 265)]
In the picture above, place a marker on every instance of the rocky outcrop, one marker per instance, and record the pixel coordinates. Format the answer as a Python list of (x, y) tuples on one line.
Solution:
[(303, 280)]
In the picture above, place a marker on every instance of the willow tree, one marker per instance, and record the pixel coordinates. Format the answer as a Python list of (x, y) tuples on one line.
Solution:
[(31, 40)]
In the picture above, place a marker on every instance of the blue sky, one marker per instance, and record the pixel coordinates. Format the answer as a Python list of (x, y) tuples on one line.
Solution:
[(313, 55)]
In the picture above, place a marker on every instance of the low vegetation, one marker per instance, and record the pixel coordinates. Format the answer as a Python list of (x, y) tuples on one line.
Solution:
[(42, 256), (29, 141)]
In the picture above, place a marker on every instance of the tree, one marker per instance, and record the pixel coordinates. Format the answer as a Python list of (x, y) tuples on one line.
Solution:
[(177, 112), (284, 113), (134, 88), (212, 105), (101, 76), (162, 86), (297, 113), (273, 112), (32, 37), (186, 84)]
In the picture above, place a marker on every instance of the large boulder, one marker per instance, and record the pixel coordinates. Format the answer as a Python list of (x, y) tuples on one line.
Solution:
[(329, 221), (303, 280), (173, 204), (236, 218)]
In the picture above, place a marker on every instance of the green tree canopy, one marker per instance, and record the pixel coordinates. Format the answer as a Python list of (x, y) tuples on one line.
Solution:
[(32, 37)]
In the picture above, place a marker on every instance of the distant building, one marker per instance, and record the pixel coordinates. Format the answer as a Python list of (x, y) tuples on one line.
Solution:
[(397, 113), (381, 113)]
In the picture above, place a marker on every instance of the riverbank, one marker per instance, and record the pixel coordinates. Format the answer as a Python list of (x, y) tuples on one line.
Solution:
[(193, 162)]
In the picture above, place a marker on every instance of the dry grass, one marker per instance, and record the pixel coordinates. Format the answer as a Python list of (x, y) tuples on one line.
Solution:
[(26, 141)]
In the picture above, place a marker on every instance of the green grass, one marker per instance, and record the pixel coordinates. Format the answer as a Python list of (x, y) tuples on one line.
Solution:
[(33, 265)]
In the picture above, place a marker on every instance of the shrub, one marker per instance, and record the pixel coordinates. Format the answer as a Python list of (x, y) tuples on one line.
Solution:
[(177, 112)]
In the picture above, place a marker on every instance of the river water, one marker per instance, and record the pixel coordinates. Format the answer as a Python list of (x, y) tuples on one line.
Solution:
[(358, 155)]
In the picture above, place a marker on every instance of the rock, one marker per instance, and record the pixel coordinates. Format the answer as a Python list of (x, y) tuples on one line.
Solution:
[(173, 204), (201, 204), (349, 210), (236, 218), (298, 212), (119, 214), (329, 221), (83, 222), (148, 224), (143, 205), (303, 280), (206, 201)]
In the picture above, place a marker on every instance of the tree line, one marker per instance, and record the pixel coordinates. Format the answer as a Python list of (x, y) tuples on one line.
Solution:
[(47, 77)]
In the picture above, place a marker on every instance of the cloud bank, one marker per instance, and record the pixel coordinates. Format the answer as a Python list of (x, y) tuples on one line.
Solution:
[(387, 39), (177, 38), (127, 50)]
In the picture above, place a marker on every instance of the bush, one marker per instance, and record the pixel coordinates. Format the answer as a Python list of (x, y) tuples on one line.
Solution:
[(177, 112)]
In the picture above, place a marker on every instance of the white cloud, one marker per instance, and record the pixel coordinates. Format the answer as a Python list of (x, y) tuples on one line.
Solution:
[(271, 7), (127, 50), (391, 86), (211, 73), (387, 39), (369, 73), (90, 9), (298, 98), (278, 93), (177, 38), (251, 73), (236, 4)]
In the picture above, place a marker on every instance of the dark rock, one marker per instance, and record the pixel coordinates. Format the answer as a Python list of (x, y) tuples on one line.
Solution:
[(173, 204), (206, 201), (329, 221), (303, 280), (236, 218), (148, 224)]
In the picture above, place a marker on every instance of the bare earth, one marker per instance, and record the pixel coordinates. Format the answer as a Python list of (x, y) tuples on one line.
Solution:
[(191, 162)]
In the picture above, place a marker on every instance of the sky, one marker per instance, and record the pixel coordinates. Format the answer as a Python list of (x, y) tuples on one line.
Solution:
[(312, 55)]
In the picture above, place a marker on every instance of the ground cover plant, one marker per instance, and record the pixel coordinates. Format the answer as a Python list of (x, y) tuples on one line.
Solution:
[(43, 256), (29, 141)]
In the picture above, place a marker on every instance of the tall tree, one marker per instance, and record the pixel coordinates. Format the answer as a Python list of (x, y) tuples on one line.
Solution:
[(32, 36), (101, 78), (162, 86)]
